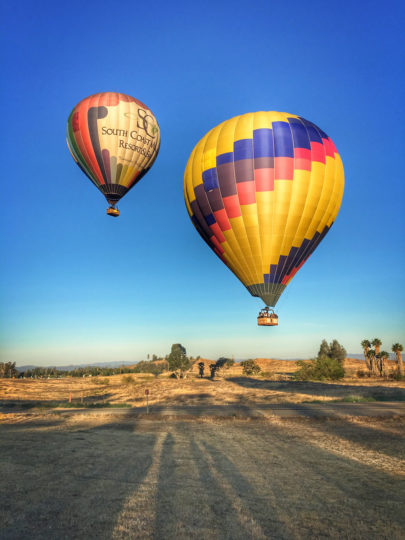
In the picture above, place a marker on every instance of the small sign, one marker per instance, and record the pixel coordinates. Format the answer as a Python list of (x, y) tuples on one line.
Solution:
[(146, 392)]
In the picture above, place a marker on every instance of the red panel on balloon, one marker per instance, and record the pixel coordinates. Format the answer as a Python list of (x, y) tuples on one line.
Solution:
[(222, 219), (302, 153), (317, 152), (284, 168), (217, 231), (302, 159), (217, 244), (246, 192), (232, 207), (302, 164), (264, 179), (329, 147)]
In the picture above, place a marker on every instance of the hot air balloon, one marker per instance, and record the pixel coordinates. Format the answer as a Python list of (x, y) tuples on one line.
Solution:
[(263, 189), (114, 139)]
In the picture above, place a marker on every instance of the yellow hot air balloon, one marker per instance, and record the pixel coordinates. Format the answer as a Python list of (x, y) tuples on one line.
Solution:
[(114, 139), (263, 189)]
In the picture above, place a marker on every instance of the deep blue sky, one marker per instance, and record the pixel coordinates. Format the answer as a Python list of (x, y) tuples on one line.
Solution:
[(79, 286)]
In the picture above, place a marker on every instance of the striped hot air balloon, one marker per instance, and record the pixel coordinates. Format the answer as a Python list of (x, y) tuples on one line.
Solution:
[(263, 189), (114, 139)]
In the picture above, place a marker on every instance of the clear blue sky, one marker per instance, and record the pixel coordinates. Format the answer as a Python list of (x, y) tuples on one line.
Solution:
[(78, 286)]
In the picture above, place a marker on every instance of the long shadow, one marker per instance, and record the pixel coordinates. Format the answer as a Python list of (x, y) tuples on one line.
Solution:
[(26, 404), (60, 483), (348, 483), (263, 512), (208, 508), (369, 437), (311, 482), (202, 410), (222, 504), (381, 393)]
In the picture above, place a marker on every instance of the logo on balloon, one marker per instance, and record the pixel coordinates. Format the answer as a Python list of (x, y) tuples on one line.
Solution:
[(145, 122)]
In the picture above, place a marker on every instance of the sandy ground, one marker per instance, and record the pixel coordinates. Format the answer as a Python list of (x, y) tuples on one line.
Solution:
[(101, 477)]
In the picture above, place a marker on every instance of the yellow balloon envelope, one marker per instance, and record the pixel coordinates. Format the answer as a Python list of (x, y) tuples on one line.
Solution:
[(263, 189)]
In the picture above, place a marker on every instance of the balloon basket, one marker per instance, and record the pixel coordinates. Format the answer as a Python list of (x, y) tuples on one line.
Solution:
[(267, 317), (114, 212)]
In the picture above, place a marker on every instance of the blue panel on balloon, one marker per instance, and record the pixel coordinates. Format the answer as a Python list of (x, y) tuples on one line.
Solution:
[(263, 143), (283, 144), (314, 134), (210, 219), (243, 149), (311, 124), (210, 179), (300, 134), (266, 278), (225, 158), (313, 131)]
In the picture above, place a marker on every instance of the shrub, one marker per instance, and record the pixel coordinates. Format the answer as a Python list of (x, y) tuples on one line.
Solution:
[(319, 369), (128, 380), (361, 373), (103, 382), (266, 374), (396, 376), (250, 367)]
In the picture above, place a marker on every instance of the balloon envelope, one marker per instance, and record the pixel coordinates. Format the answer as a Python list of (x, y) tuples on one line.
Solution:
[(114, 139), (263, 189)]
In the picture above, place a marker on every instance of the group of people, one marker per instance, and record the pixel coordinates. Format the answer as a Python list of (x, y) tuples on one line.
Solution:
[(212, 367)]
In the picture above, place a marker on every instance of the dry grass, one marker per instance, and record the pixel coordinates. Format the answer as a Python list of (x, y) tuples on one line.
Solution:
[(101, 477), (230, 388)]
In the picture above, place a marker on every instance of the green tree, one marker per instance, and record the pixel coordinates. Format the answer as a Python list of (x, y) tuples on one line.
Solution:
[(334, 350), (224, 362), (250, 367), (178, 361), (337, 352), (324, 349), (8, 370), (397, 349)]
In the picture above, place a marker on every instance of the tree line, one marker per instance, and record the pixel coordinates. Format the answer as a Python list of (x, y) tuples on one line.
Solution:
[(329, 364), (8, 370)]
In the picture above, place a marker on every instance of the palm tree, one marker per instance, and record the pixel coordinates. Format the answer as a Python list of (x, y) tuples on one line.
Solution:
[(376, 343), (366, 346), (382, 356), (371, 358), (397, 349)]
